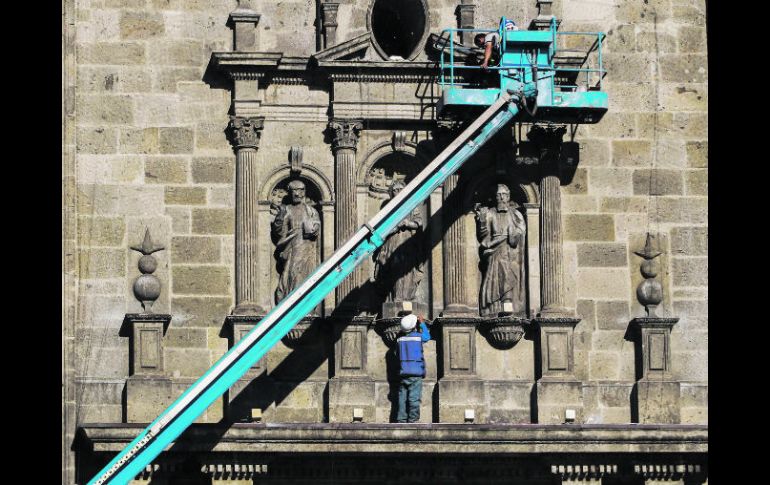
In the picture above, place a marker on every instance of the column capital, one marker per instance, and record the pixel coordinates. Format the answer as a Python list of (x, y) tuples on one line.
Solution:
[(245, 132), (345, 133)]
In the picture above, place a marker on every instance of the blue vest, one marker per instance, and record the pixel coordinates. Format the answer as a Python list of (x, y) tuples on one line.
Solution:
[(410, 355)]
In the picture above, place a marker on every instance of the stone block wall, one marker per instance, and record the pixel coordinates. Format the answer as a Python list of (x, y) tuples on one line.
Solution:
[(145, 146)]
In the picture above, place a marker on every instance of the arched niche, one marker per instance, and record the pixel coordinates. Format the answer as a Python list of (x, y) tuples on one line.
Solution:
[(399, 27), (381, 165), (272, 193), (480, 189)]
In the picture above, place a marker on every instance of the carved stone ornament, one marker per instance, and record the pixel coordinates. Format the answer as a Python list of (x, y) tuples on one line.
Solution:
[(245, 132), (147, 286), (503, 332), (301, 332), (387, 329), (295, 160), (650, 291), (345, 133)]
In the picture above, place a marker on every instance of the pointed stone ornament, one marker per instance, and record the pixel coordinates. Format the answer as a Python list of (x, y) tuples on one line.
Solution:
[(147, 286), (650, 291)]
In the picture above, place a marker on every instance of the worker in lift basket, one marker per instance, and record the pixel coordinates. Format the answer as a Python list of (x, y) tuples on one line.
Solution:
[(491, 44), (412, 367)]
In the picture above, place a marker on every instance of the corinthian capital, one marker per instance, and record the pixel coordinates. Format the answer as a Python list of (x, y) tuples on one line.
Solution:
[(345, 133), (245, 132)]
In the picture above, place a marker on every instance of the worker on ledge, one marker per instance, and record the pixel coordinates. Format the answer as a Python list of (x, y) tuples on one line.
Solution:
[(491, 44)]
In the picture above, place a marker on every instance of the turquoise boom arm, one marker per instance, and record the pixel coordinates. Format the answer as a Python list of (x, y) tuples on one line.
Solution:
[(276, 324)]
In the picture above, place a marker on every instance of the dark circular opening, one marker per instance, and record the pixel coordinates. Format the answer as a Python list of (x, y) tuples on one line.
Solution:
[(398, 25)]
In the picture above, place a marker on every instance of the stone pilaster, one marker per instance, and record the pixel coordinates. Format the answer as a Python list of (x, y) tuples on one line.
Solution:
[(243, 20), (345, 134), (352, 385), (466, 13), (547, 139), (459, 387), (544, 16), (329, 19), (245, 134), (254, 387)]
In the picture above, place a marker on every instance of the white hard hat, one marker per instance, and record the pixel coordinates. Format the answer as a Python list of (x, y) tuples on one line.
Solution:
[(408, 322)]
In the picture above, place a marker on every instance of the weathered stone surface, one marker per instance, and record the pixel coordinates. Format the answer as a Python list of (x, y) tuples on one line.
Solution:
[(697, 182), (195, 249), (163, 170), (612, 315), (610, 181), (210, 136), (185, 195), (578, 203), (693, 210), (631, 97), (588, 227), (629, 67), (602, 283), (102, 263), (690, 271), (691, 68), (143, 140), (110, 169), (603, 365), (187, 362), (201, 280), (140, 25), (613, 125), (685, 125), (622, 38), (643, 12), (200, 311), (697, 154), (657, 182), (631, 153), (683, 96), (111, 109), (602, 254), (579, 183), (96, 140), (624, 204), (167, 79), (176, 53), (213, 170), (117, 53), (213, 221), (175, 140), (692, 39), (594, 153), (177, 337), (658, 401), (689, 14), (180, 219), (690, 241), (101, 231), (652, 41)]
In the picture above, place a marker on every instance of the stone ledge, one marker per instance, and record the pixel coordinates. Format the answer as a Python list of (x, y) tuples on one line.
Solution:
[(431, 438)]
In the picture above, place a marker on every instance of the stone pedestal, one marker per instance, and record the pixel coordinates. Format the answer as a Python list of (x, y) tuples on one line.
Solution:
[(255, 388), (466, 13), (352, 386), (656, 397), (393, 309), (557, 387), (148, 390), (459, 387)]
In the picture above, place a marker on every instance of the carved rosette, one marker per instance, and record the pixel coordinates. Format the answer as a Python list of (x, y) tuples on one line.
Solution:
[(245, 132), (345, 133), (504, 332)]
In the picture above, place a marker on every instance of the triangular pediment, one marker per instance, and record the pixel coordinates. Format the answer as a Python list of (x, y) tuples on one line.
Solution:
[(352, 49)]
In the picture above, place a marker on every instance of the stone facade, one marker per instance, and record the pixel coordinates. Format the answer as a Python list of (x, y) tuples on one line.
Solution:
[(189, 118)]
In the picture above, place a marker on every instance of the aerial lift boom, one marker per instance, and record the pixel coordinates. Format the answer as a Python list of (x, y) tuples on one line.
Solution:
[(520, 88)]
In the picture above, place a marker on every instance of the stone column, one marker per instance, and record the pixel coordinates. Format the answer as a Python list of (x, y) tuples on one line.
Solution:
[(345, 134), (329, 19), (547, 139), (245, 134), (455, 285)]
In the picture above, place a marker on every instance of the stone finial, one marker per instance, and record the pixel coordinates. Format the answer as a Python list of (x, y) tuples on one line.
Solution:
[(295, 160), (650, 291), (345, 133), (245, 132), (147, 286)]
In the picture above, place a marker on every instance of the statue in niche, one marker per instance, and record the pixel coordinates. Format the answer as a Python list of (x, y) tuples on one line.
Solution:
[(295, 230), (398, 265), (500, 232)]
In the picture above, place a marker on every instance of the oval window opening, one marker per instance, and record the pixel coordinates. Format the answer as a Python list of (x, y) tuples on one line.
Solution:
[(398, 26)]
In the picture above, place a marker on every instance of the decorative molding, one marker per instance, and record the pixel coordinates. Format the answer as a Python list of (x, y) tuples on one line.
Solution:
[(246, 75), (345, 133), (234, 471), (390, 77), (583, 472), (245, 132), (668, 471), (503, 333)]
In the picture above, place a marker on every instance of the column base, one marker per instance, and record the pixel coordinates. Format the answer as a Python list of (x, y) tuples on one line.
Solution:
[(248, 308), (454, 310), (456, 394), (346, 394)]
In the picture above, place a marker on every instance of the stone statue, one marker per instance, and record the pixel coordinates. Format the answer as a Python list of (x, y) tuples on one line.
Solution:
[(295, 230), (398, 263), (500, 231)]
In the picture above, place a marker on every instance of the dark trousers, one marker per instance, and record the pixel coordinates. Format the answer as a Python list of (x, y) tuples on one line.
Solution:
[(409, 396)]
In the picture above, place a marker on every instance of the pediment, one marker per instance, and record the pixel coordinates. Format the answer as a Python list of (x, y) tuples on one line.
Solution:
[(353, 49)]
